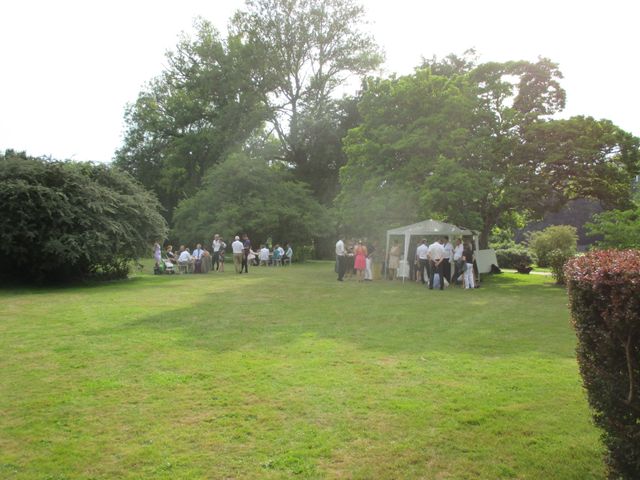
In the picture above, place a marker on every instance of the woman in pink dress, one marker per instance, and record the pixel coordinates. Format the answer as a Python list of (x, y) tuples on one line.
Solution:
[(360, 260)]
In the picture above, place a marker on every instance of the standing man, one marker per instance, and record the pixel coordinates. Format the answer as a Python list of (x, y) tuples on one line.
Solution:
[(216, 245), (197, 256), (446, 261), (341, 258), (246, 250), (457, 260), (422, 256), (238, 253), (436, 257)]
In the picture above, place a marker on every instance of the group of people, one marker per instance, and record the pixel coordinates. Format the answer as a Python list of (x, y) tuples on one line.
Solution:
[(201, 260), (355, 258), (436, 265)]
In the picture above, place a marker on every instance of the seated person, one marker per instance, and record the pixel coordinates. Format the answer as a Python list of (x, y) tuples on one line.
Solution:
[(277, 254), (185, 260), (263, 255)]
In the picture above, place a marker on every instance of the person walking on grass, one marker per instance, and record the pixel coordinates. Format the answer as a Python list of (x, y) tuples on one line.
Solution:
[(238, 254)]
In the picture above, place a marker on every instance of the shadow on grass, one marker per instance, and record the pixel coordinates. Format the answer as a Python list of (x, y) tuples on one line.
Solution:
[(506, 316)]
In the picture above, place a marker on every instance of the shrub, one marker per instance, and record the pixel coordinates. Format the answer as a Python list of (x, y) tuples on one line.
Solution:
[(65, 220), (555, 237), (604, 298), (514, 257), (303, 253), (557, 261)]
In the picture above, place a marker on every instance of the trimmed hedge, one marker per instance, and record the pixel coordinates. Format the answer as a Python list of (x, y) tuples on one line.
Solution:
[(604, 298), (514, 257)]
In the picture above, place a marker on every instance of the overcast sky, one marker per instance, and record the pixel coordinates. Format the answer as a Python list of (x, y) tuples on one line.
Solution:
[(68, 68)]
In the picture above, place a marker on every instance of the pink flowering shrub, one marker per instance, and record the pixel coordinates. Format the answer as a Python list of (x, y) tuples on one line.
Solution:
[(604, 299)]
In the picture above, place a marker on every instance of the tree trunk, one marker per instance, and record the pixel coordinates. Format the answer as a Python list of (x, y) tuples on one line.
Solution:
[(484, 237)]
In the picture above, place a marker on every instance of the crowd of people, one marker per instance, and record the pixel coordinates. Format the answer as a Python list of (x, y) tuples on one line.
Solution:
[(202, 260), (435, 265)]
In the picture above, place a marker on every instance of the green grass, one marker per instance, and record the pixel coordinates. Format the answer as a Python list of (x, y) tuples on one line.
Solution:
[(287, 373)]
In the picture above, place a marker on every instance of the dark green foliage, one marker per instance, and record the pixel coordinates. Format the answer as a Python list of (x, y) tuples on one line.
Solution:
[(514, 257), (245, 194), (604, 297), (65, 220), (619, 228)]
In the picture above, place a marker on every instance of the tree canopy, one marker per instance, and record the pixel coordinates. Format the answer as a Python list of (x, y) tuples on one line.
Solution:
[(208, 100), (475, 145)]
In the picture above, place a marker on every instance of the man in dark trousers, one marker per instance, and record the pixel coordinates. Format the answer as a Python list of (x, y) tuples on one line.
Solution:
[(341, 258), (246, 248)]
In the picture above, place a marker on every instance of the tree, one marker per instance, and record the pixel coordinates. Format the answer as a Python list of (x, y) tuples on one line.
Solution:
[(474, 145), (65, 220), (208, 100), (312, 47), (246, 194), (620, 229)]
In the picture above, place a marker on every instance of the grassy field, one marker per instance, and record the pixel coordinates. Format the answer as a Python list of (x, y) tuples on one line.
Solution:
[(286, 373)]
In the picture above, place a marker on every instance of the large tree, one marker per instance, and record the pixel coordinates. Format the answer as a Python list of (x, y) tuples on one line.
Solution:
[(207, 101), (312, 47), (248, 193), (474, 144)]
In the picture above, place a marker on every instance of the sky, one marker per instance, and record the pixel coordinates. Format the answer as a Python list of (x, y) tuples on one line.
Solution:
[(69, 68)]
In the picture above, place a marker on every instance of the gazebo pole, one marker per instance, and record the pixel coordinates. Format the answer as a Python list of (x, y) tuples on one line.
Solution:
[(386, 257)]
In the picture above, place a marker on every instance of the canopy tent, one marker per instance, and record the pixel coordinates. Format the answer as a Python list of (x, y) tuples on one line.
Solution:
[(430, 228)]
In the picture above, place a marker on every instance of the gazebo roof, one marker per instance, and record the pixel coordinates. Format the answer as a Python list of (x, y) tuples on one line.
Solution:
[(430, 227)]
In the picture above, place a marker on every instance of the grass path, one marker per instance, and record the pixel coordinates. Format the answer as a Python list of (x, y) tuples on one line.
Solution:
[(287, 373)]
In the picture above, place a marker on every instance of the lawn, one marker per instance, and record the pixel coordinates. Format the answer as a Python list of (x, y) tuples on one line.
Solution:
[(286, 373)]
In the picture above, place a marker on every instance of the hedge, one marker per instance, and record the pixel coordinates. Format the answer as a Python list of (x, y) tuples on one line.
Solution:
[(604, 298), (514, 257)]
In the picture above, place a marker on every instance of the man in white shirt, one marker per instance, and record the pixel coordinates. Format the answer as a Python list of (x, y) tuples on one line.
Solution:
[(341, 259), (264, 256), (216, 246), (446, 262), (184, 261), (238, 253), (457, 260), (436, 256), (422, 255)]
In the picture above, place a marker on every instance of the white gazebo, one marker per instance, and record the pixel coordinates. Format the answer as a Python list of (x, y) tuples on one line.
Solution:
[(430, 228)]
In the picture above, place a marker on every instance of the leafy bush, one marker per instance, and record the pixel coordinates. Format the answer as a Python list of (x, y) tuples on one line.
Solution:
[(555, 237), (514, 257), (65, 220), (557, 261), (303, 253), (604, 297)]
